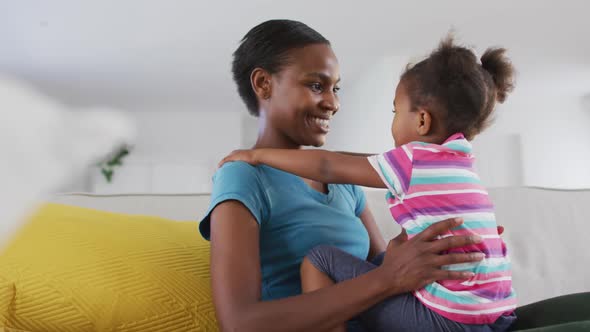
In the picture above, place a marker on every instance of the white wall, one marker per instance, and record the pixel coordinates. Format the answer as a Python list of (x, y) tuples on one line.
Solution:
[(186, 134), (546, 111), (363, 123), (176, 151)]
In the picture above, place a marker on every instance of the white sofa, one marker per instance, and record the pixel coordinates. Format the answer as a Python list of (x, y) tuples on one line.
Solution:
[(546, 230)]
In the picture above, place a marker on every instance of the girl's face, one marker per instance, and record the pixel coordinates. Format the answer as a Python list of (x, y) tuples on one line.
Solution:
[(304, 96), (403, 127)]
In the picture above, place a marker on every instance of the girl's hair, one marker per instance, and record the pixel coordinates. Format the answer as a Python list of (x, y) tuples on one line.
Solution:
[(267, 46), (458, 90)]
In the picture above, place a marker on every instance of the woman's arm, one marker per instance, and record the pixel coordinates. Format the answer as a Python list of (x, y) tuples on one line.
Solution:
[(236, 277), (236, 280), (377, 243), (319, 165)]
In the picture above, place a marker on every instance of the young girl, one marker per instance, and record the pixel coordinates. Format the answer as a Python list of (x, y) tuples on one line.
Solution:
[(440, 104)]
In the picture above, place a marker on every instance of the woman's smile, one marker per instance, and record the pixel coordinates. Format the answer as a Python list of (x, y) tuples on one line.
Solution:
[(320, 123)]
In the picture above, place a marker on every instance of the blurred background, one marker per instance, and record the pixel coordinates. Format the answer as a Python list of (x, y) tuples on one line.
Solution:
[(167, 65)]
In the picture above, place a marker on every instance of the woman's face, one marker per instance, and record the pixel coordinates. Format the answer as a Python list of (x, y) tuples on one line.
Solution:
[(304, 95)]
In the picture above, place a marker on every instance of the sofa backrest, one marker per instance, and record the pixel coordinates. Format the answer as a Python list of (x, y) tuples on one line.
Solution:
[(546, 230)]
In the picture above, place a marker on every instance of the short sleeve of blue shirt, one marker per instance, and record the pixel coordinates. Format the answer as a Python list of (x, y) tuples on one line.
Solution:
[(241, 182)]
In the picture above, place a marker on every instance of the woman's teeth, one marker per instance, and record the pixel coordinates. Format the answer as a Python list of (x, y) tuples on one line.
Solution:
[(322, 122)]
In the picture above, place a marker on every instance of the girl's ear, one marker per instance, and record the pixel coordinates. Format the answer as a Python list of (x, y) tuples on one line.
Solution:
[(260, 80), (423, 122)]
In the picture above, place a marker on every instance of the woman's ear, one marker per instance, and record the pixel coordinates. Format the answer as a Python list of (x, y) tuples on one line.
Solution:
[(261, 83), (424, 122)]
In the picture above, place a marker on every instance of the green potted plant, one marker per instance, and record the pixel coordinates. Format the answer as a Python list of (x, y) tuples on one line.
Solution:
[(108, 166)]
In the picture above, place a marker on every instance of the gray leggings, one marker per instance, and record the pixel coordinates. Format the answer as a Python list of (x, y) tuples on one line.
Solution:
[(398, 313)]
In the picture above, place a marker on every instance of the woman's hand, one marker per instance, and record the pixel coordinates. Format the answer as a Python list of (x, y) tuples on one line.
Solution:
[(248, 156), (412, 264)]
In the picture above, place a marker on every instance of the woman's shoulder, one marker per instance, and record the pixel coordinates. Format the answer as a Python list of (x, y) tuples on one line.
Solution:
[(236, 175), (236, 168)]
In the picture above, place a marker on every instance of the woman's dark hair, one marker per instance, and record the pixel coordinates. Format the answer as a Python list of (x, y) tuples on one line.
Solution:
[(267, 46), (457, 89)]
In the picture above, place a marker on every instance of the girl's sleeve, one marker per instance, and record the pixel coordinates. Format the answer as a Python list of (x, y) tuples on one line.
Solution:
[(395, 169)]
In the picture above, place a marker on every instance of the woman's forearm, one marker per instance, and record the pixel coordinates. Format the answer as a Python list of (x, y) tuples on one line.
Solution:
[(315, 311)]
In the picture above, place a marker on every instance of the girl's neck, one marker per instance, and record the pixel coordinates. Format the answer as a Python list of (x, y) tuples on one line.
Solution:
[(437, 137)]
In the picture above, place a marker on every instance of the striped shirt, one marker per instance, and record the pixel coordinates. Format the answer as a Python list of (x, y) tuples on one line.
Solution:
[(428, 183)]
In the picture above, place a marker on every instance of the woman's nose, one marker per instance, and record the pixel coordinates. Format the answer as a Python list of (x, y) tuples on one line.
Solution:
[(330, 102)]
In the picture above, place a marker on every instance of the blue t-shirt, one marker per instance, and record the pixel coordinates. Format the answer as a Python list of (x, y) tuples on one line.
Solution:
[(293, 218)]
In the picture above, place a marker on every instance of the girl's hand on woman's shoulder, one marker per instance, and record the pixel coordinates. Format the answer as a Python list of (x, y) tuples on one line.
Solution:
[(248, 156)]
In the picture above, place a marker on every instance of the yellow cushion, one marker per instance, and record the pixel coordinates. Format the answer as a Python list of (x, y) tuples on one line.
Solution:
[(76, 269)]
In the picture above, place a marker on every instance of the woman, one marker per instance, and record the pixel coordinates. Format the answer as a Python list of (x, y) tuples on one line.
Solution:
[(262, 221)]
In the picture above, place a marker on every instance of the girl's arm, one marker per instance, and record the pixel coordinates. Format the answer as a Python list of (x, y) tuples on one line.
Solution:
[(236, 277), (357, 154), (319, 165)]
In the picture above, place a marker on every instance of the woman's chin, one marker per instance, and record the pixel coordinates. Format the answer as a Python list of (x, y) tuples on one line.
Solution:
[(317, 141)]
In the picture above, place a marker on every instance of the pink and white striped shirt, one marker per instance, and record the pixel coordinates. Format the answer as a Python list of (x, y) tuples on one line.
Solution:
[(429, 183)]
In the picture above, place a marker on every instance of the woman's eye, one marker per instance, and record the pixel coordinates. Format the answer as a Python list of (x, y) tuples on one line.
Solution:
[(316, 87), (393, 111), (336, 89)]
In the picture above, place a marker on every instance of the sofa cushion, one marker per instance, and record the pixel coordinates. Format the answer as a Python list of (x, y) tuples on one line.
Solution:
[(77, 269), (6, 297)]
